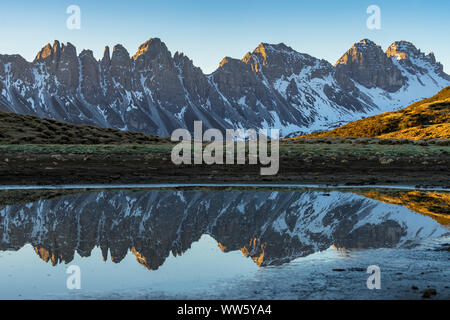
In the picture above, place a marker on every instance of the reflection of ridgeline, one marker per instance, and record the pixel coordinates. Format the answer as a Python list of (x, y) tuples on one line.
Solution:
[(269, 227), (430, 203)]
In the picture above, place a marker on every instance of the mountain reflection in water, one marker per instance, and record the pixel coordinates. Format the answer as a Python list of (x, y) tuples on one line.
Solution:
[(271, 228)]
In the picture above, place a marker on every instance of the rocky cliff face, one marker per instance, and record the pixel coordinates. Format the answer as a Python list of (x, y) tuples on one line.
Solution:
[(368, 65), (269, 227), (415, 62), (274, 86)]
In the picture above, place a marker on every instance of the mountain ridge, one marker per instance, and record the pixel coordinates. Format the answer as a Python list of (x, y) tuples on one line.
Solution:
[(155, 91)]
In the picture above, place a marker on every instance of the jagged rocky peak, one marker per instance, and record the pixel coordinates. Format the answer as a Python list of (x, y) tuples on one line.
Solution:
[(414, 60), (180, 57), (106, 60), (90, 75), (228, 62), (366, 43), (151, 48), (266, 51), (86, 53), (236, 79), (193, 77), (48, 51), (15, 66), (367, 64), (56, 52), (278, 60), (224, 61), (120, 66), (120, 54), (267, 48), (433, 58), (403, 50), (359, 51), (183, 61), (68, 49), (61, 60)]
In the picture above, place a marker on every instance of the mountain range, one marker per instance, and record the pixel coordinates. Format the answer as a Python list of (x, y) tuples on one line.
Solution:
[(274, 86)]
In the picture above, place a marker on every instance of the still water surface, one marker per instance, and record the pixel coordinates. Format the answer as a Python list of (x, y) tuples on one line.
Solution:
[(226, 244)]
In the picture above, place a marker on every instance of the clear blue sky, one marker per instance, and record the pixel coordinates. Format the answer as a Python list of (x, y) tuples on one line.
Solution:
[(208, 30)]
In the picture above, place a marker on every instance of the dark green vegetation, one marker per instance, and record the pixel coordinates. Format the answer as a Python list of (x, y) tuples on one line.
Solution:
[(156, 147), (426, 119), (288, 148), (325, 161), (25, 129)]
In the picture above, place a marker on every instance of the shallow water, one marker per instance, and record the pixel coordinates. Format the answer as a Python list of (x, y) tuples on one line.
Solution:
[(235, 244)]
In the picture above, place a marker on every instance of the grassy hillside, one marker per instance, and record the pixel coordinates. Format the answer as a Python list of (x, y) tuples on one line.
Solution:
[(426, 119), (24, 129)]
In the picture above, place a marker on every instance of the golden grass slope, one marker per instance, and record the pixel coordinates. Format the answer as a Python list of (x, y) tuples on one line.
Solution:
[(435, 131), (430, 203), (426, 119)]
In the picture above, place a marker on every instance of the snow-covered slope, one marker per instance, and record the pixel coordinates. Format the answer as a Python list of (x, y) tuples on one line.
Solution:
[(272, 87)]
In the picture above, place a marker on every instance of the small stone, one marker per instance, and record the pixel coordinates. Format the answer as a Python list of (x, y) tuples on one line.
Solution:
[(357, 269), (427, 293), (386, 160)]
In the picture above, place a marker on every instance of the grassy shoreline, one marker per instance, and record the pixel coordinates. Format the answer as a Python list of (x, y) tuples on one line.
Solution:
[(321, 161)]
